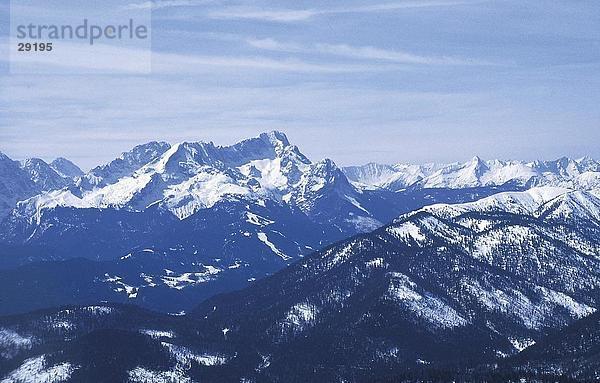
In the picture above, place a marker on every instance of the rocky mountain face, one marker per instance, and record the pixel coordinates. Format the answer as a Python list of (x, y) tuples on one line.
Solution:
[(24, 179), (66, 168)]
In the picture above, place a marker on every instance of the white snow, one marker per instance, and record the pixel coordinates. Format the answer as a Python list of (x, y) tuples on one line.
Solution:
[(11, 343), (235, 265), (200, 192), (299, 317), (181, 281), (148, 279), (354, 202), (407, 230), (339, 255), (170, 279), (392, 177), (301, 313), (531, 311), (375, 263), (143, 375), (527, 202), (475, 173), (271, 174), (576, 309), (157, 334), (521, 344), (575, 204), (121, 286), (364, 224), (184, 179), (257, 220), (264, 239), (185, 356), (423, 305), (588, 181), (62, 325), (36, 370)]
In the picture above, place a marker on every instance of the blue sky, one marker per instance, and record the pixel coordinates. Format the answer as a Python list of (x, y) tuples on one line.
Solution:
[(356, 81)]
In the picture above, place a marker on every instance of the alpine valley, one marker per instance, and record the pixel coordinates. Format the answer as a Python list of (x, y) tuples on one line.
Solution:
[(260, 265)]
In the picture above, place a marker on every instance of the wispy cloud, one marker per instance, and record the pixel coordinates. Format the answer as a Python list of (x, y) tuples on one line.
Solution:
[(159, 4), (362, 53), (177, 63), (294, 15), (281, 16)]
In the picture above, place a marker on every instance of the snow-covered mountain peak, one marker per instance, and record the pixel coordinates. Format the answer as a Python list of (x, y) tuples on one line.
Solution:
[(588, 164), (478, 165), (392, 177), (21, 180), (473, 170), (32, 162), (370, 175), (564, 167), (477, 172), (574, 205), (125, 165), (269, 145), (66, 168), (265, 158), (326, 168), (183, 160), (277, 139), (139, 155), (548, 202), (322, 176), (476, 160), (43, 175)]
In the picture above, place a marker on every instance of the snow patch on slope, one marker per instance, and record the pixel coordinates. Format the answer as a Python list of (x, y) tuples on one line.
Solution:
[(299, 317), (264, 239), (423, 304), (11, 343), (36, 370), (143, 375), (407, 230), (185, 356)]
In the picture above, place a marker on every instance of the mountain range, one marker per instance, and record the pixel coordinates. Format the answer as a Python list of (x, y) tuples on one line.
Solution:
[(565, 172), (165, 225), (162, 223), (453, 291), (263, 266)]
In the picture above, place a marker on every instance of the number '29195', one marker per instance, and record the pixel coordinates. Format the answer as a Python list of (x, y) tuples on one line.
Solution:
[(34, 47)]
